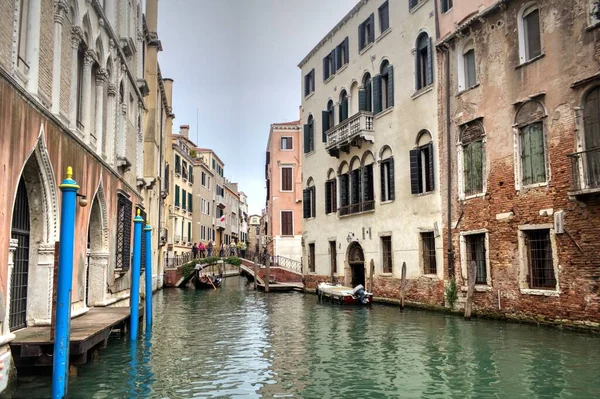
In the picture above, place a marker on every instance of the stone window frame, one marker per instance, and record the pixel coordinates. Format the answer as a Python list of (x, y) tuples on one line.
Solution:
[(382, 235), (281, 223), (281, 167), (438, 266), (460, 62), (528, 8), (463, 260), (580, 130), (518, 168), (460, 164), (524, 260)]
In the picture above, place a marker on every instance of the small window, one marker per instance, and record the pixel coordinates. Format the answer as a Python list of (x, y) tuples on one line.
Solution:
[(309, 200), (386, 249), (530, 34), (532, 143), (309, 135), (287, 228), (540, 259), (311, 258), (387, 179), (446, 5), (421, 166), (329, 65), (428, 254), (424, 62), (286, 143), (469, 65), (309, 83), (330, 196), (472, 154), (366, 32), (286, 179), (475, 248), (384, 17)]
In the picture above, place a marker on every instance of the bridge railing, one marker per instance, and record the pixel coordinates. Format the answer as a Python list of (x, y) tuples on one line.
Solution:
[(173, 262), (276, 261)]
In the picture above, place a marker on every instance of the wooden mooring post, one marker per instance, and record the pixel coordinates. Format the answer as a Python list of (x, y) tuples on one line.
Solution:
[(255, 275), (402, 285), (371, 272), (470, 290)]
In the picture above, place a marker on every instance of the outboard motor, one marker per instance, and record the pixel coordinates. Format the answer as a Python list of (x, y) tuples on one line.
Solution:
[(360, 293)]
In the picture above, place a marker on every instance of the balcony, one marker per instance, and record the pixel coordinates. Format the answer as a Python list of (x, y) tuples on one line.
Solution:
[(585, 166), (350, 132), (221, 225), (220, 201), (360, 207), (177, 238)]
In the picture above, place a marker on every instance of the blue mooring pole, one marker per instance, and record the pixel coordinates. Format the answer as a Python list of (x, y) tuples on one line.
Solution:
[(148, 266), (62, 338), (134, 300)]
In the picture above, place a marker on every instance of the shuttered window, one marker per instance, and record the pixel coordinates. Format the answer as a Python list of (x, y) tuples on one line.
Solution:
[(342, 54), (531, 27), (428, 254), (287, 228), (183, 199), (421, 169), (177, 203), (475, 244), (387, 86), (387, 180), (591, 118), (366, 32), (424, 61), (384, 17), (190, 207), (472, 149), (309, 202), (344, 193), (286, 143), (365, 95), (469, 65), (446, 5), (309, 135), (533, 159), (343, 106), (309, 83), (386, 249), (286, 179)]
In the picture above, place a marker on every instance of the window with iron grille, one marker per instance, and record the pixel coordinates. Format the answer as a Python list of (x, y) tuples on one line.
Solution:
[(124, 220), (311, 257), (428, 247), (539, 259), (386, 249), (144, 223), (475, 244), (472, 152)]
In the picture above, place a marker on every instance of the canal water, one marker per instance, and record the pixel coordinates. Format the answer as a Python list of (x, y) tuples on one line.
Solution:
[(237, 343)]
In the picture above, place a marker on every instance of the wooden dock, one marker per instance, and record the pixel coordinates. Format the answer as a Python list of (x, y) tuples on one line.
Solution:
[(282, 287), (33, 346)]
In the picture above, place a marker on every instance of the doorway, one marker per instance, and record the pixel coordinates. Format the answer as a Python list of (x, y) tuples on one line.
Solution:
[(19, 280), (356, 261)]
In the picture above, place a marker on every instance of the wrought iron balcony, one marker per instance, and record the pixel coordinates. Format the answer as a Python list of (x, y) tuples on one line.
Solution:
[(350, 132), (585, 166), (360, 207)]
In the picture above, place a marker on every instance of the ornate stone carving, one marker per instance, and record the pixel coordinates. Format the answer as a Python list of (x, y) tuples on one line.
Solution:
[(101, 76), (50, 190), (111, 89), (124, 108), (61, 8), (112, 44), (101, 22), (89, 57), (76, 36), (140, 36)]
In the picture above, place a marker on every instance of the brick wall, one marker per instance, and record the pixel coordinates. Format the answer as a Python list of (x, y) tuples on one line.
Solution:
[(65, 68), (6, 32), (46, 48)]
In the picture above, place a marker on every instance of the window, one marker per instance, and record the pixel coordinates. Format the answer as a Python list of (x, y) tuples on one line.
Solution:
[(365, 95), (80, 60), (471, 145), (22, 63), (286, 143), (387, 177), (309, 83), (412, 4), (177, 165), (286, 178), (421, 165), (368, 195), (343, 106), (287, 224), (594, 11), (342, 54), (309, 135), (124, 215), (540, 261), (309, 200), (329, 65), (184, 169), (333, 257), (176, 196), (190, 207), (476, 252), (191, 173), (384, 17), (428, 255), (469, 70), (330, 196), (384, 99), (311, 258), (328, 121), (446, 5), (203, 179), (530, 43), (531, 143), (366, 32), (386, 249), (183, 200), (189, 231), (424, 62), (344, 193), (591, 139)]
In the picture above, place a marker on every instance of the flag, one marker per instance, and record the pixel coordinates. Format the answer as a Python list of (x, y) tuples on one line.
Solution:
[(222, 220)]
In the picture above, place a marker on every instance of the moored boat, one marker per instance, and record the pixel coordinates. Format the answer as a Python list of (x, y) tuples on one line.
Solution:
[(203, 280), (344, 295)]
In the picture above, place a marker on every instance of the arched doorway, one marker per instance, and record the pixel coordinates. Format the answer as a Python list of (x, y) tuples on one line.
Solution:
[(97, 252), (356, 262), (20, 274)]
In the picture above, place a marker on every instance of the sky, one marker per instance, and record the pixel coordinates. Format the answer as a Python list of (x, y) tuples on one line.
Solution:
[(235, 69)]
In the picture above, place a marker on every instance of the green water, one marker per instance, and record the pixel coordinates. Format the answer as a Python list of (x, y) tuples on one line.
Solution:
[(236, 343)]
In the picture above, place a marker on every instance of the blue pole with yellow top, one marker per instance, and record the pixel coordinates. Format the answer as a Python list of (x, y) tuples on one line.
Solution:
[(135, 276), (60, 377), (148, 266)]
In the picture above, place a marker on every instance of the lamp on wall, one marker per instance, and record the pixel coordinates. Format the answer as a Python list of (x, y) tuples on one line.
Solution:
[(350, 237), (83, 201)]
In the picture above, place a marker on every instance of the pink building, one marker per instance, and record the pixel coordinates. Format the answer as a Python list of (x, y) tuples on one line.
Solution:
[(283, 173)]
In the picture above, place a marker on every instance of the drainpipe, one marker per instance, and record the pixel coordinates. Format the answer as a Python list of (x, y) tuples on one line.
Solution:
[(449, 161)]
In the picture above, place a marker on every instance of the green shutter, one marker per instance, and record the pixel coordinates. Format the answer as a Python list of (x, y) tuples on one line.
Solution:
[(538, 164), (382, 173), (376, 94), (429, 62), (176, 195), (190, 208), (325, 125), (306, 138), (327, 197), (416, 182), (361, 36), (477, 166), (362, 100), (183, 199), (390, 86)]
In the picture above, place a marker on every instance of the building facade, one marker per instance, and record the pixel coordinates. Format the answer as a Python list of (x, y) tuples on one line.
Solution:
[(519, 134), (232, 211), (244, 227), (218, 198), (284, 190), (253, 230), (371, 189), (203, 222)]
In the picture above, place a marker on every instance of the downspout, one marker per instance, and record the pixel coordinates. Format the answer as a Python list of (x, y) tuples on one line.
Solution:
[(161, 170), (449, 162)]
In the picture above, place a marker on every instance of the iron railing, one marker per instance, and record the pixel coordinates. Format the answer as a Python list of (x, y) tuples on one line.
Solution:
[(276, 261), (364, 206), (585, 166), (173, 262)]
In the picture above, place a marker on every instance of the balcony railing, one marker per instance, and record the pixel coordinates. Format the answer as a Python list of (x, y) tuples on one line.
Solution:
[(585, 166), (350, 132), (220, 225), (220, 201), (351, 209)]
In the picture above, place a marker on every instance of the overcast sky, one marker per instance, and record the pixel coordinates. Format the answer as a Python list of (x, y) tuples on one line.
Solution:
[(235, 61)]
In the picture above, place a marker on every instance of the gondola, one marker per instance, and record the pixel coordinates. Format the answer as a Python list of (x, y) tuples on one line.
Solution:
[(206, 281)]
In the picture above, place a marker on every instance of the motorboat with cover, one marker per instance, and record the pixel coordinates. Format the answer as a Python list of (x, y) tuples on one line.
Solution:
[(344, 295)]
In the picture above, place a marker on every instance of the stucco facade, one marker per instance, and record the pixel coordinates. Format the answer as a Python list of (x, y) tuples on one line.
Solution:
[(204, 214), (389, 118), (532, 222), (284, 190), (218, 192)]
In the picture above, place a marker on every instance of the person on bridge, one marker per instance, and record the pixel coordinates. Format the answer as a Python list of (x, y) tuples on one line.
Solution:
[(195, 250), (202, 250), (210, 248)]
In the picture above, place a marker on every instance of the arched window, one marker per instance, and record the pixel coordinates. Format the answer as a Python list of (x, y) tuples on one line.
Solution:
[(424, 61), (387, 175), (328, 120), (330, 193), (387, 86), (80, 61), (309, 135), (531, 143), (309, 199), (591, 118), (471, 151), (344, 183), (355, 184), (343, 106), (530, 42), (365, 95), (367, 200), (421, 164), (467, 73)]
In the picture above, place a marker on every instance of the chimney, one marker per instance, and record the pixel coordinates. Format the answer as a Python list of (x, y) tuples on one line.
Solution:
[(152, 16), (184, 130), (168, 82), (300, 112)]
